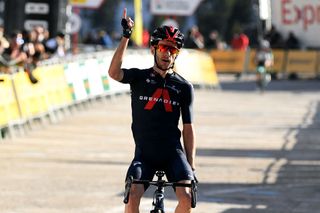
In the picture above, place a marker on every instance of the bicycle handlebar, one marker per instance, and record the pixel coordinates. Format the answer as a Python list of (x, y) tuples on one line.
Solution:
[(162, 183)]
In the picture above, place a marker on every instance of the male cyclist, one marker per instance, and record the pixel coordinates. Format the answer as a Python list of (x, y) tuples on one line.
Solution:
[(264, 60), (158, 97)]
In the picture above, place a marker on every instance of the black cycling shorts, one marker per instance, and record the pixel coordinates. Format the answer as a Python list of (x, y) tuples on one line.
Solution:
[(176, 167)]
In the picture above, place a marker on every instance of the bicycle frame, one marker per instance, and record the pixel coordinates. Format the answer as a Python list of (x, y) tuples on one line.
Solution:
[(158, 196), (263, 77)]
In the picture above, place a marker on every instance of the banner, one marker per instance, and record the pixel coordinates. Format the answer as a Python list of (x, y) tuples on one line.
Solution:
[(55, 85), (301, 62), (229, 61), (31, 97)]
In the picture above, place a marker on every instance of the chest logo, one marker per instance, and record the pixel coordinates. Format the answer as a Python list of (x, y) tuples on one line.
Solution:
[(158, 96)]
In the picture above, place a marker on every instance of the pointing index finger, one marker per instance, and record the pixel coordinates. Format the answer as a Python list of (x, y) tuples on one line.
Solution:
[(124, 13)]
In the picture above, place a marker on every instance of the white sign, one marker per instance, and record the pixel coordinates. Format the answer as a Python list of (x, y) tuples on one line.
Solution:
[(86, 3), (36, 8), (31, 24), (300, 17), (174, 7)]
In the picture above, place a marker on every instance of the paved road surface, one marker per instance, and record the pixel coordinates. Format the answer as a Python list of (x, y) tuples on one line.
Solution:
[(256, 153)]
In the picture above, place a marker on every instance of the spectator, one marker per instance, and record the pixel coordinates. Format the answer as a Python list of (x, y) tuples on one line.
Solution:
[(56, 46), (292, 41), (213, 40), (61, 50), (14, 54), (40, 31), (4, 44), (194, 39), (90, 38), (33, 57), (104, 39), (3, 40), (145, 38), (31, 39), (21, 54), (240, 41), (275, 38), (25, 49), (46, 36)]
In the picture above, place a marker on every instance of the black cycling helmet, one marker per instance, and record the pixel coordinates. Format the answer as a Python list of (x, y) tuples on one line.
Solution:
[(167, 33)]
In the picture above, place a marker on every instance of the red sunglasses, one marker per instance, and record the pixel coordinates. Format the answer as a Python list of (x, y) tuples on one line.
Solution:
[(164, 48)]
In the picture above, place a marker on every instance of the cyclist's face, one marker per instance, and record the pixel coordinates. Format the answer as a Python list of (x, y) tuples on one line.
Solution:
[(166, 54)]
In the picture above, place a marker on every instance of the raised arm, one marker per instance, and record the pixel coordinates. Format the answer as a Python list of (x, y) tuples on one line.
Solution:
[(115, 70)]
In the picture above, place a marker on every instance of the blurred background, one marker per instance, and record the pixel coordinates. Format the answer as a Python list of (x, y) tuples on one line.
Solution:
[(97, 22), (47, 40), (258, 151)]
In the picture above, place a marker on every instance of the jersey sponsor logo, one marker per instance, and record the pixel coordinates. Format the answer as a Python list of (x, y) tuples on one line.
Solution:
[(160, 95), (150, 81)]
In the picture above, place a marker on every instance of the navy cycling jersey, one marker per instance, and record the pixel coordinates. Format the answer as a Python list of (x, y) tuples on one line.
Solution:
[(157, 104)]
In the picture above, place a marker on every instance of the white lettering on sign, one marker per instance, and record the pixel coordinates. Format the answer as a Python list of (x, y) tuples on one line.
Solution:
[(174, 7), (302, 17), (31, 24), (36, 8)]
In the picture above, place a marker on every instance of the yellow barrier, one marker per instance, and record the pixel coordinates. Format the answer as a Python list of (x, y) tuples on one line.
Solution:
[(252, 62), (229, 61), (304, 62), (197, 67), (318, 65), (8, 105), (20, 99), (279, 61), (285, 61), (31, 97), (53, 82)]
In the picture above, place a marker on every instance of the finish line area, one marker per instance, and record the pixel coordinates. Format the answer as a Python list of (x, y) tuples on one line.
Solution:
[(257, 153)]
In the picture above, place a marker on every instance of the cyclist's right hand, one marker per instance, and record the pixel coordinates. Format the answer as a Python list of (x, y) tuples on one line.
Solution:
[(195, 177), (127, 24)]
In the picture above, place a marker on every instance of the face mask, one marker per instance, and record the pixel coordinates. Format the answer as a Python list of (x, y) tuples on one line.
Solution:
[(19, 41)]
